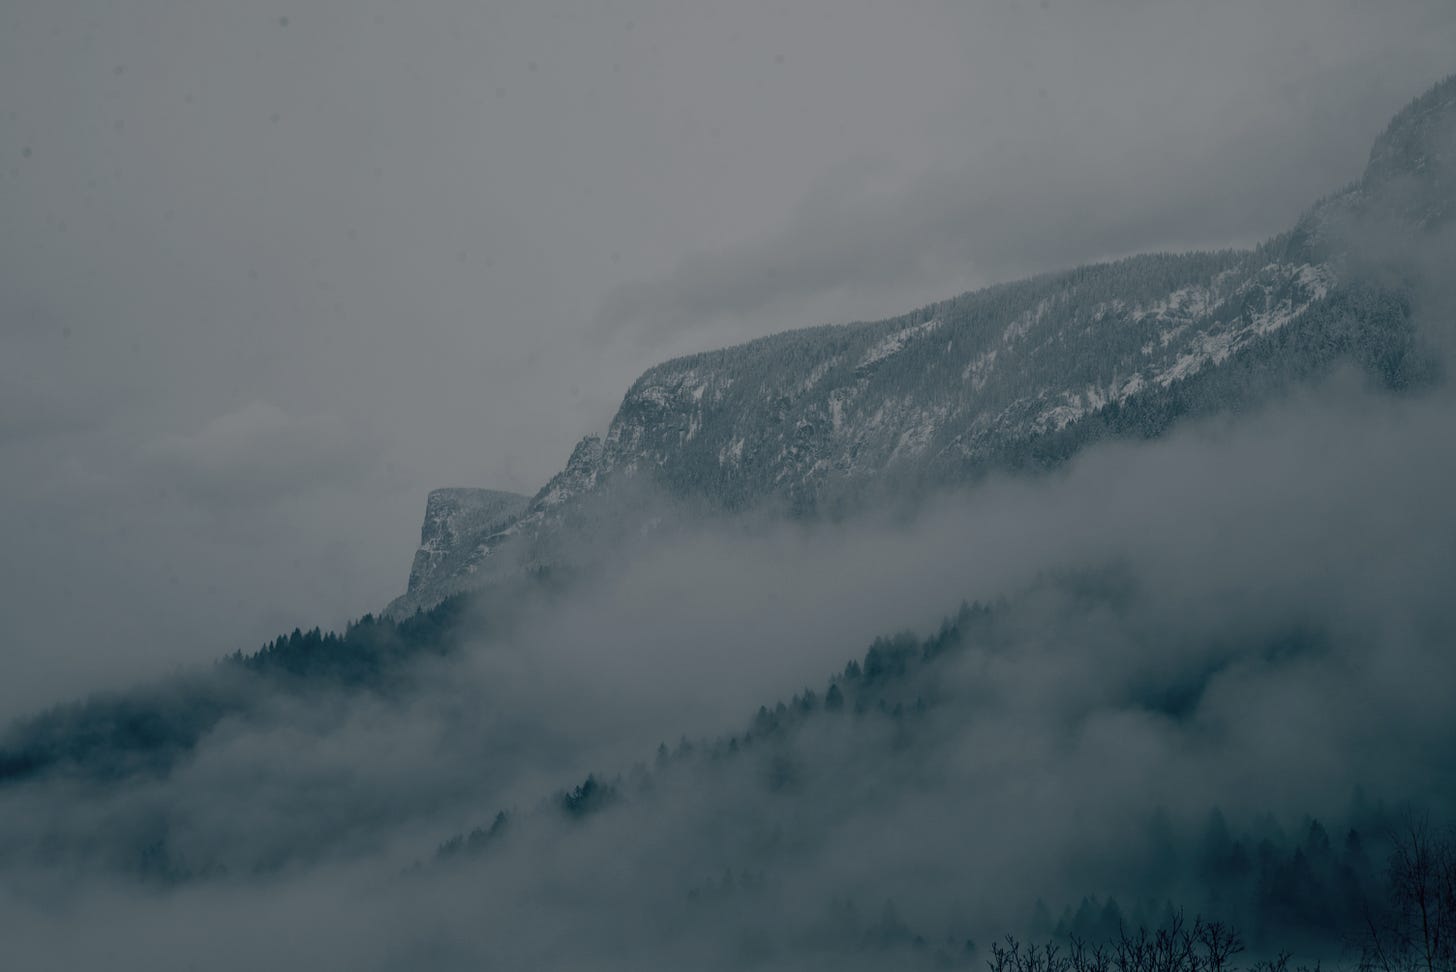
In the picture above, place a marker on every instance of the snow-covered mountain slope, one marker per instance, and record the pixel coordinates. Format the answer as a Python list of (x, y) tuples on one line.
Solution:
[(1019, 375)]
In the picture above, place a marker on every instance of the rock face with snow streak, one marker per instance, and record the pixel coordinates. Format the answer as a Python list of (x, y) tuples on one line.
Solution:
[(1015, 376), (453, 537)]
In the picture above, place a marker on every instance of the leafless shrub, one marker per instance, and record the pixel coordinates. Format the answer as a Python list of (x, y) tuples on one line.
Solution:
[(1416, 930)]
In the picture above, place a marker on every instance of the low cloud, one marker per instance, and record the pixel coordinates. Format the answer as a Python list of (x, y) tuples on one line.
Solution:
[(1250, 616), (1071, 173)]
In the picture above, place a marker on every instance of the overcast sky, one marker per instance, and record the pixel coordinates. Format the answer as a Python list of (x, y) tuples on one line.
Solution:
[(269, 272)]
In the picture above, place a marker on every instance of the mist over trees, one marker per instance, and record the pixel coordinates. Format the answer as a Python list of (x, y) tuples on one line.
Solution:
[(1192, 714), (840, 824), (1128, 725)]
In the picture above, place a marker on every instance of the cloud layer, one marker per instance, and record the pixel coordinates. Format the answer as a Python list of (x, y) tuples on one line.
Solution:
[(1247, 616)]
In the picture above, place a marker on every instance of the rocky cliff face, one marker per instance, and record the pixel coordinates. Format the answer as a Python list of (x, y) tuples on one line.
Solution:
[(454, 539), (1020, 375)]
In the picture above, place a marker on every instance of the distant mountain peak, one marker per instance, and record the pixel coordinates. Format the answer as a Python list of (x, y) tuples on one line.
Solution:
[(1419, 139), (1412, 167)]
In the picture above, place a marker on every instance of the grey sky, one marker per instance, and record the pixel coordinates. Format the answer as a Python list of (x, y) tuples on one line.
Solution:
[(269, 273)]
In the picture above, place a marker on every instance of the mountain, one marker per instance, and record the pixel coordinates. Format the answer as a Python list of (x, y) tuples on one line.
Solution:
[(455, 519), (1166, 712), (1015, 376)]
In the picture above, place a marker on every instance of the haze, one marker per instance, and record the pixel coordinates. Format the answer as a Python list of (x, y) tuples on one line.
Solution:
[(269, 273)]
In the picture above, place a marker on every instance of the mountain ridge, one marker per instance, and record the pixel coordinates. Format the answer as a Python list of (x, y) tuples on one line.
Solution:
[(1019, 375)]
